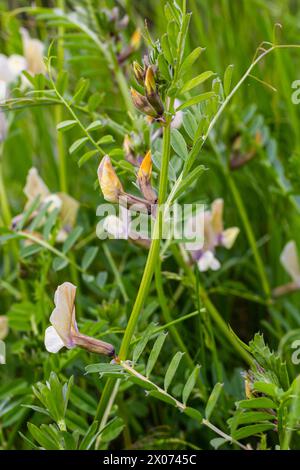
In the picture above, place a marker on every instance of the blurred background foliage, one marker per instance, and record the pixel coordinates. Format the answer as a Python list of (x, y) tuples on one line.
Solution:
[(230, 32)]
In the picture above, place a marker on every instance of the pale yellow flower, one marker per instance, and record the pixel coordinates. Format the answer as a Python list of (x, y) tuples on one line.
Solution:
[(34, 53), (3, 326), (109, 182), (214, 235), (290, 261), (64, 331)]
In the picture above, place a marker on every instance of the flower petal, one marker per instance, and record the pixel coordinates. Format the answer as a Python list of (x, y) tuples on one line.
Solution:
[(229, 236), (109, 182), (178, 118), (16, 64), (217, 215), (53, 341), (208, 261), (115, 227), (290, 261), (35, 186), (3, 326), (34, 53), (63, 316)]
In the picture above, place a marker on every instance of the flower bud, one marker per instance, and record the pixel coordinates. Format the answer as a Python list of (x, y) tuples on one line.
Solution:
[(150, 84), (145, 169), (144, 179), (139, 73), (142, 104), (151, 91), (109, 182), (135, 40)]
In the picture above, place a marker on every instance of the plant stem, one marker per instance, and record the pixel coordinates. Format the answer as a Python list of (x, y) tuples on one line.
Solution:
[(173, 330), (147, 275), (249, 232), (116, 272), (3, 196), (223, 435), (155, 244), (154, 249), (59, 109), (211, 309), (200, 142)]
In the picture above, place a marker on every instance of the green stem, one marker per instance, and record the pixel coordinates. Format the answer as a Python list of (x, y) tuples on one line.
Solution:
[(115, 270), (153, 252), (3, 196), (147, 275), (173, 330), (211, 309), (154, 249), (59, 109), (197, 146), (250, 235)]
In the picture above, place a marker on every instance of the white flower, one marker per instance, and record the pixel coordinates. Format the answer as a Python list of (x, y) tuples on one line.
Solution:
[(64, 330), (109, 182), (11, 67), (290, 261), (16, 65), (211, 227), (3, 326), (208, 261), (33, 52), (178, 118), (118, 227)]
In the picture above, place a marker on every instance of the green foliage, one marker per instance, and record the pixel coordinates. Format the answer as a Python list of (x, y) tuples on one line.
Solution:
[(178, 381)]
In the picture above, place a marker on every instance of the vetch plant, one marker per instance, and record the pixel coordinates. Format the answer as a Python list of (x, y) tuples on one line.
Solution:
[(99, 97)]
